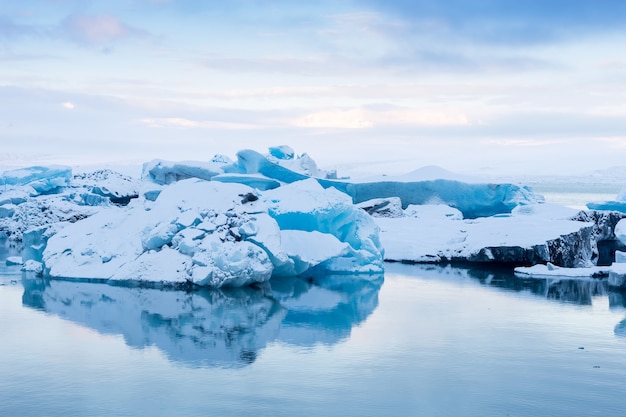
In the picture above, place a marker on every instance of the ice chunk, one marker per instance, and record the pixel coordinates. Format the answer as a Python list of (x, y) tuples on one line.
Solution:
[(14, 260), (306, 206), (308, 250), (42, 179), (282, 152), (166, 172), (7, 210), (550, 270), (433, 211)]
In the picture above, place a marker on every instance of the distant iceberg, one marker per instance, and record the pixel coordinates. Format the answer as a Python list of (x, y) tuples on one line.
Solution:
[(619, 204)]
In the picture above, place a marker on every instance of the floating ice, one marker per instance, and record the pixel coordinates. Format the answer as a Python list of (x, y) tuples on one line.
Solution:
[(216, 234), (441, 235), (42, 179), (619, 204)]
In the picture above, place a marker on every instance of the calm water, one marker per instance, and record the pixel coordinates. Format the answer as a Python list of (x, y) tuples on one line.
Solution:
[(425, 341)]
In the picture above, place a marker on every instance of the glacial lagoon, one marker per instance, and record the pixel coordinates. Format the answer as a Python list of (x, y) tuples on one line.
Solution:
[(422, 340)]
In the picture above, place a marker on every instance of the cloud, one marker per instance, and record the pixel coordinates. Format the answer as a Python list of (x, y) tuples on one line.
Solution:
[(361, 118), (507, 22), (68, 105), (98, 29), (182, 123)]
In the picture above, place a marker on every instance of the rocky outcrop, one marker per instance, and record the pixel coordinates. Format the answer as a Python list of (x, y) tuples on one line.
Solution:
[(573, 250), (603, 234)]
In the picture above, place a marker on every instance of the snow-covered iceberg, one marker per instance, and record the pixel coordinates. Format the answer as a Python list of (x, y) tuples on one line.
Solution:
[(435, 234), (218, 234)]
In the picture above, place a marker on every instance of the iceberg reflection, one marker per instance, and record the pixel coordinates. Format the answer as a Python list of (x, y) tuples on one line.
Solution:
[(575, 291), (224, 327)]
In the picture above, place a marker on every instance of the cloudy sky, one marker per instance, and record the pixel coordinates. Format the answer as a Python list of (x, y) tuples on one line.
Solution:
[(509, 86)]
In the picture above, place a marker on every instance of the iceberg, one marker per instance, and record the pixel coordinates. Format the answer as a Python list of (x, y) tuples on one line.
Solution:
[(41, 179), (473, 200), (619, 204), (446, 237), (210, 233)]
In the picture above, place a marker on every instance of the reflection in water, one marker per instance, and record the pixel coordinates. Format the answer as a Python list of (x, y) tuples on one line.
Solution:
[(575, 291), (225, 327)]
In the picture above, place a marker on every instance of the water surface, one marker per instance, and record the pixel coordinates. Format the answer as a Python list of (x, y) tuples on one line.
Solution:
[(435, 341)]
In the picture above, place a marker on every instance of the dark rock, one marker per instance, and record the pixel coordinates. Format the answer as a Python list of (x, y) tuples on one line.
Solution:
[(603, 234)]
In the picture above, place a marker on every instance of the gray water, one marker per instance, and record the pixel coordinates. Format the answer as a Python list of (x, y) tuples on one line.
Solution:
[(422, 340)]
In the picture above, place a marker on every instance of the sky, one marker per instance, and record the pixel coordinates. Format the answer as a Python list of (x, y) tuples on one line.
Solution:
[(487, 86)]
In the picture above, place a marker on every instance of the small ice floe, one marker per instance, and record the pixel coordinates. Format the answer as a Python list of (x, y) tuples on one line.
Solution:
[(550, 270), (14, 260)]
